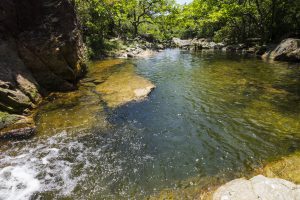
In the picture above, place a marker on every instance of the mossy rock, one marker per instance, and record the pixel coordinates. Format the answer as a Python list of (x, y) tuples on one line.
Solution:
[(16, 126), (7, 119)]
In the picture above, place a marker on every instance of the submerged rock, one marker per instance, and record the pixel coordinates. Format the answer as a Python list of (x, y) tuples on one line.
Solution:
[(124, 86), (287, 168), (108, 82), (74, 112), (16, 126), (258, 187)]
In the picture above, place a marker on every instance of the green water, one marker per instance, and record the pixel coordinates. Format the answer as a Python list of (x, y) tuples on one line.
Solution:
[(212, 115)]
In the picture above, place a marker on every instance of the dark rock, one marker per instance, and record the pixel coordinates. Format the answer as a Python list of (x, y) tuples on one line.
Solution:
[(18, 133), (261, 50), (40, 50), (18, 88), (130, 55)]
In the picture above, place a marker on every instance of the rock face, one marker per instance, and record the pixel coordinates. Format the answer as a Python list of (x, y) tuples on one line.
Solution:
[(40, 50), (258, 187), (287, 50)]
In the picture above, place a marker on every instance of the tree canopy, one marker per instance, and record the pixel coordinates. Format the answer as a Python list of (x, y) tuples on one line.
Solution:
[(232, 21)]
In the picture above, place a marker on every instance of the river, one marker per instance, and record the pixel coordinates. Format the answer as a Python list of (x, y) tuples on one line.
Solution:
[(212, 116)]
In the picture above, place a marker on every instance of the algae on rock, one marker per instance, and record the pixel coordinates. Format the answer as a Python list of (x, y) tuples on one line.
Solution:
[(124, 86), (287, 167), (76, 111)]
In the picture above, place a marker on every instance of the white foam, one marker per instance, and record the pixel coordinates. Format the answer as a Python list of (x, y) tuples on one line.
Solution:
[(18, 183), (37, 168), (53, 153)]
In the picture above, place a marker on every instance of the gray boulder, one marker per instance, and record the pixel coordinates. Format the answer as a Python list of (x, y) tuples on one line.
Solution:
[(287, 50), (258, 188), (181, 43)]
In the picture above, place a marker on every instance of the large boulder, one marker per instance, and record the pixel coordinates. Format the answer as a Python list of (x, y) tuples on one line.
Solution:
[(181, 43), (287, 50), (197, 44), (40, 50), (258, 187)]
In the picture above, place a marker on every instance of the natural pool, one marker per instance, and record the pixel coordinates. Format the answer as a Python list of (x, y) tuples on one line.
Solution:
[(212, 116)]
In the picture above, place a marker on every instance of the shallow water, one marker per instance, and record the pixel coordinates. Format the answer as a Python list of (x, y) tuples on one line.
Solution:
[(212, 115)]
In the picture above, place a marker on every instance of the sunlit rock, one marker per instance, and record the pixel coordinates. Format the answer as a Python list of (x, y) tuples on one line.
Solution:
[(287, 50), (258, 187), (124, 86)]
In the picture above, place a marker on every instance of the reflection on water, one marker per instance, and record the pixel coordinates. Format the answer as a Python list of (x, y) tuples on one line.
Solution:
[(211, 118)]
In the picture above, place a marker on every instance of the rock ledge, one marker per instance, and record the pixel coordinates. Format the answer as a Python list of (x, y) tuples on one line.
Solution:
[(258, 188)]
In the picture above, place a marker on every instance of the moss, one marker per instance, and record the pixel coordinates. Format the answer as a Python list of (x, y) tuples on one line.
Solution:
[(76, 111), (7, 119), (192, 188), (286, 168)]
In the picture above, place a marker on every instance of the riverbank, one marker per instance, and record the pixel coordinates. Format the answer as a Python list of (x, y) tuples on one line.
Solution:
[(132, 48), (287, 50), (278, 179)]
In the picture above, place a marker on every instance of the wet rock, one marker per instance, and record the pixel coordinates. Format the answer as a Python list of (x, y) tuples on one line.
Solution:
[(40, 49), (73, 112), (287, 50), (124, 86), (7, 119), (197, 188), (258, 187), (141, 93), (130, 55), (19, 133), (285, 168), (16, 126)]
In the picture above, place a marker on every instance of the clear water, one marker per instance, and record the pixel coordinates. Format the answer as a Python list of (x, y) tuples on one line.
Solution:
[(211, 115)]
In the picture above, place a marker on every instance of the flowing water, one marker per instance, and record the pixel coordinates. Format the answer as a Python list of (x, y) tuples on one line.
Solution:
[(212, 115)]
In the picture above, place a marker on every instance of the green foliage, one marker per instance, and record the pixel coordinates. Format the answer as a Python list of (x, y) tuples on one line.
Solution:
[(237, 20), (103, 19), (230, 20)]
